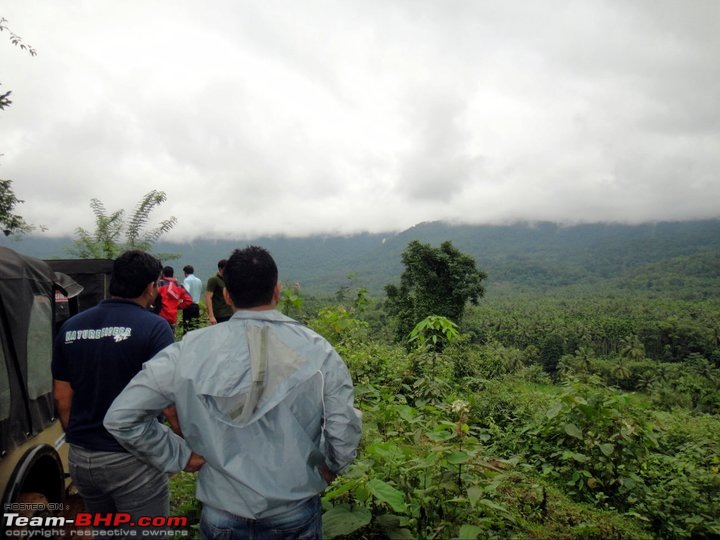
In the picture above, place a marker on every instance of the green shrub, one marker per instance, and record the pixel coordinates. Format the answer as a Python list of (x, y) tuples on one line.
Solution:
[(680, 495), (592, 441)]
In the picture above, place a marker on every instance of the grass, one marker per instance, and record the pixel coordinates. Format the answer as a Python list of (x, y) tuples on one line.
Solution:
[(183, 501)]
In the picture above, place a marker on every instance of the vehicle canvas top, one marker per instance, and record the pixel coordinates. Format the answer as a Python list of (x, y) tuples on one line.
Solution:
[(92, 274), (27, 308)]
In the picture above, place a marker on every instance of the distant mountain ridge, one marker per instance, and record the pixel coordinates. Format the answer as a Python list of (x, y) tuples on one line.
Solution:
[(532, 255)]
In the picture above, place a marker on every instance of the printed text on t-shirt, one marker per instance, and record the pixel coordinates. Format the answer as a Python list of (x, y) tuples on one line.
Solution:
[(118, 333)]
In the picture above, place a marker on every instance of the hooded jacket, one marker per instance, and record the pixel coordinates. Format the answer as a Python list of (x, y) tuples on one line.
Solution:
[(262, 398), (172, 296)]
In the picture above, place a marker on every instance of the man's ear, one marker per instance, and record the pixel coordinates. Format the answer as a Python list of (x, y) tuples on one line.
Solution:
[(148, 296), (226, 296), (276, 293), (151, 290)]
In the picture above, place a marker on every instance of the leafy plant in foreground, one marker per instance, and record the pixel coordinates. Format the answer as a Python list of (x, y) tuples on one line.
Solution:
[(593, 442)]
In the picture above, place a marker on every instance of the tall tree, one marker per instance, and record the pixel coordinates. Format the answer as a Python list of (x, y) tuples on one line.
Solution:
[(436, 281), (632, 347), (18, 42), (10, 222), (114, 233)]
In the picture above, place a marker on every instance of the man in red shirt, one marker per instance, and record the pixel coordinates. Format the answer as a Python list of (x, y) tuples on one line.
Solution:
[(173, 296)]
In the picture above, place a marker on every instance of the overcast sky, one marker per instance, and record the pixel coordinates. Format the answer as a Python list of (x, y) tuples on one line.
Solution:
[(301, 117)]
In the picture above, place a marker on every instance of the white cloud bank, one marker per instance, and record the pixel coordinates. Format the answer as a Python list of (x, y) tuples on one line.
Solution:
[(337, 117)]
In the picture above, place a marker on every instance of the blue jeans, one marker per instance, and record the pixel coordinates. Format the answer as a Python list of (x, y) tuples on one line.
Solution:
[(302, 523), (112, 482)]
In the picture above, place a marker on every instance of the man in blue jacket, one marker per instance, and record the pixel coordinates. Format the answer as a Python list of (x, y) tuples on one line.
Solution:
[(267, 402)]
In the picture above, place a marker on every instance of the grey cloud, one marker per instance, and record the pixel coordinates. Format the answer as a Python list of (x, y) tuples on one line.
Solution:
[(438, 164), (348, 116)]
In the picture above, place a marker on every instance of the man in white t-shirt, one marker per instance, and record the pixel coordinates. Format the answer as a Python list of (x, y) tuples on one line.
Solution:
[(194, 286)]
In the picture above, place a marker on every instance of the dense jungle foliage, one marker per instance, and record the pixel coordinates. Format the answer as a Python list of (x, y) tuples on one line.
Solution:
[(585, 413), (579, 399)]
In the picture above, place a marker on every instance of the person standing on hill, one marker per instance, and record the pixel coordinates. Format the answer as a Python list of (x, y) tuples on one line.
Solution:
[(218, 310), (173, 297), (266, 401), (95, 355), (194, 286)]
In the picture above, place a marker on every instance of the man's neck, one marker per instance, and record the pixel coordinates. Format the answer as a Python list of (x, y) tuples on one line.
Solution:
[(140, 300), (266, 307)]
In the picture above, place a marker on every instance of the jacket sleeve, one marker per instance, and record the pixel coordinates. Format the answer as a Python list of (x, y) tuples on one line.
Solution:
[(185, 298), (132, 417), (342, 426)]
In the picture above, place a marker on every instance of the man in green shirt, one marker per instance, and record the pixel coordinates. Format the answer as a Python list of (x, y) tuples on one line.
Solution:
[(218, 310)]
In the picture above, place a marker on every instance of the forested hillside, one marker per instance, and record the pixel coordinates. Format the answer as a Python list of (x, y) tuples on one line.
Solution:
[(655, 257), (579, 399), (581, 412)]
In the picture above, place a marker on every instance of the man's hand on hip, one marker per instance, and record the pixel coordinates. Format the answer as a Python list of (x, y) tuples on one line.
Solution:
[(195, 462)]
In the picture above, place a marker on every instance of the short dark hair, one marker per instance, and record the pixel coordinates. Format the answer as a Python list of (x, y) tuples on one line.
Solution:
[(250, 277), (222, 263), (188, 269), (132, 271), (168, 271)]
